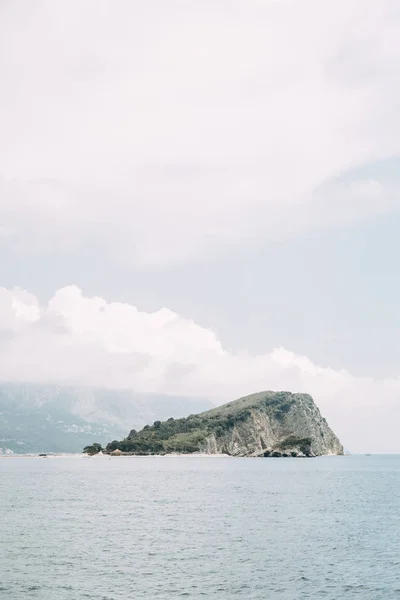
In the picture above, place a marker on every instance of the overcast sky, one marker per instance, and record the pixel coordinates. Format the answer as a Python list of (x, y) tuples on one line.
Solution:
[(202, 197)]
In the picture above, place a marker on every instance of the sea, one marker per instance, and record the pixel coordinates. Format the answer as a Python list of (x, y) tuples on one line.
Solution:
[(121, 528)]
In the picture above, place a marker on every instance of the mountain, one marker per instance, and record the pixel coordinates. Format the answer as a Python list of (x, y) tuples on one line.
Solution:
[(263, 424), (49, 418)]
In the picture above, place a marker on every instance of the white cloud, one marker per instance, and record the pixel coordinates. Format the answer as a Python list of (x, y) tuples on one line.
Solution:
[(159, 131), (76, 339), (162, 130)]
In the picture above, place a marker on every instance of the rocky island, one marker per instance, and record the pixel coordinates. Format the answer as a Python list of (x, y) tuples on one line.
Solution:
[(262, 424)]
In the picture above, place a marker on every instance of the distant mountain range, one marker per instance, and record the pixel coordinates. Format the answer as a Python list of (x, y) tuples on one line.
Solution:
[(49, 418)]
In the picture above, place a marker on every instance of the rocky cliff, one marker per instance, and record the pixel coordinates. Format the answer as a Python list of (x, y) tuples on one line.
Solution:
[(263, 424)]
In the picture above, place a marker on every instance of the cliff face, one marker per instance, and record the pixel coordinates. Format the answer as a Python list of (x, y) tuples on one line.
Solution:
[(290, 424), (263, 424)]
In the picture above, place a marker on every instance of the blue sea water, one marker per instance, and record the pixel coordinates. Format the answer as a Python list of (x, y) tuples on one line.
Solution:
[(165, 528)]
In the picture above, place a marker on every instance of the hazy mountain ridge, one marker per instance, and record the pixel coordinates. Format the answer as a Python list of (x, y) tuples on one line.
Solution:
[(51, 418)]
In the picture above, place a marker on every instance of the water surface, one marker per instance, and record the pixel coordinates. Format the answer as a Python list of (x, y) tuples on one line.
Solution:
[(165, 528)]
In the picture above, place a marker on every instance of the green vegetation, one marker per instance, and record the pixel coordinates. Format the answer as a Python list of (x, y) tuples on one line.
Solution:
[(174, 435), (187, 435), (93, 449)]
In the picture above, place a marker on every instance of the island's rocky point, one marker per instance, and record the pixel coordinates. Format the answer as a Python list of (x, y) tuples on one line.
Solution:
[(269, 424)]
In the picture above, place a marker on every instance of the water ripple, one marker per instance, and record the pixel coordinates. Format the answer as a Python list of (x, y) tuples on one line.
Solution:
[(163, 529)]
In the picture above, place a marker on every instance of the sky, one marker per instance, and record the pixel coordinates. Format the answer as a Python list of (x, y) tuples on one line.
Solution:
[(202, 198)]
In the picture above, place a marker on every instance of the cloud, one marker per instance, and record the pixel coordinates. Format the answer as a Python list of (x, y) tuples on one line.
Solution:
[(82, 340), (163, 132)]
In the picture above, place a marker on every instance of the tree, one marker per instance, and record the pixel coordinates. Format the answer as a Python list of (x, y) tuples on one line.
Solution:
[(114, 445), (93, 449)]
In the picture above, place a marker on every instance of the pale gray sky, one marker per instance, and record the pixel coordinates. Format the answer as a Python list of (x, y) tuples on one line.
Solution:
[(234, 163)]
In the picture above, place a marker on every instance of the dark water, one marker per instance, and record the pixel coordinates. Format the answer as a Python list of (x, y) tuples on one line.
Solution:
[(165, 528)]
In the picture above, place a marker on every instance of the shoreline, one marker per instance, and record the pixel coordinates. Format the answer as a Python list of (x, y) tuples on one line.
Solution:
[(80, 455), (169, 455)]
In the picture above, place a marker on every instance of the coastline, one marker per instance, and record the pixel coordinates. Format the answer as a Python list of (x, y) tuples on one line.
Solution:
[(169, 455), (80, 455)]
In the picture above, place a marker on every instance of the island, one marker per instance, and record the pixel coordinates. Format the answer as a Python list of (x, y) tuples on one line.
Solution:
[(265, 424)]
